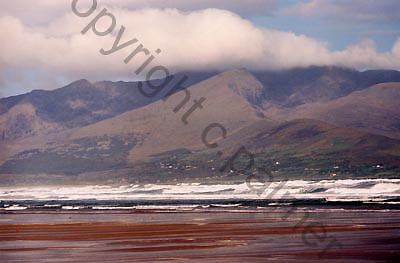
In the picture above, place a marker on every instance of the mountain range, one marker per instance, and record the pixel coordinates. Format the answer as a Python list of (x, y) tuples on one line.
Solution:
[(316, 122)]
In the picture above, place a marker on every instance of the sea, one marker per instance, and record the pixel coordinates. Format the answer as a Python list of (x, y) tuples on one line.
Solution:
[(325, 194)]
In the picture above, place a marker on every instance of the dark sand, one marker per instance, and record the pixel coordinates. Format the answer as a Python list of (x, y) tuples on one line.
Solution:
[(210, 236)]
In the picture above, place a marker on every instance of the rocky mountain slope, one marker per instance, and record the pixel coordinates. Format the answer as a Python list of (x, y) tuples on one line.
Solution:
[(375, 110)]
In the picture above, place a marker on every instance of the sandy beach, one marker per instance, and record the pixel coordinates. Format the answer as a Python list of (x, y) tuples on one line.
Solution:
[(212, 236)]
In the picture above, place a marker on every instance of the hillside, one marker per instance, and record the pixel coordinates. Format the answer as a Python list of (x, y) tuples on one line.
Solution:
[(373, 110), (312, 149), (226, 100), (298, 86), (303, 149)]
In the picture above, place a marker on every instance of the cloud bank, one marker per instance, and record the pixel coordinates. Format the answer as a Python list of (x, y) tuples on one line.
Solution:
[(42, 55)]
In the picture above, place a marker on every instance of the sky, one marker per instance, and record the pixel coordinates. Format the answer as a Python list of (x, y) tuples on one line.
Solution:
[(43, 47)]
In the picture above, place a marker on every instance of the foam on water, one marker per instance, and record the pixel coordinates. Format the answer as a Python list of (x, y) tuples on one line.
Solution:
[(365, 189)]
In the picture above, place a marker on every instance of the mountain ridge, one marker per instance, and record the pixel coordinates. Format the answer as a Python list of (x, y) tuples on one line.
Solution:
[(110, 127)]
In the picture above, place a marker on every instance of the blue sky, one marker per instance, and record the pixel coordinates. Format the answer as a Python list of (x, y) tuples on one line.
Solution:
[(338, 32), (42, 47)]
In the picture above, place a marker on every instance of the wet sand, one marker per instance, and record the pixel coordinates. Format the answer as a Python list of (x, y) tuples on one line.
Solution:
[(207, 236)]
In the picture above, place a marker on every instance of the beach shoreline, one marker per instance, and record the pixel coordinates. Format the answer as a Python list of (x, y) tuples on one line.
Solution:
[(195, 236)]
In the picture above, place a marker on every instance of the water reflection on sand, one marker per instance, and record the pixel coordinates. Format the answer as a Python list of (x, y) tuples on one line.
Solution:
[(192, 236)]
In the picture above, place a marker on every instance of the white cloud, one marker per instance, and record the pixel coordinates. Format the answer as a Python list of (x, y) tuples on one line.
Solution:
[(200, 40)]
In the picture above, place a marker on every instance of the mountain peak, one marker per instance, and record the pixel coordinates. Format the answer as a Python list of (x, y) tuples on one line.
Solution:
[(236, 71), (75, 88), (243, 83), (81, 82)]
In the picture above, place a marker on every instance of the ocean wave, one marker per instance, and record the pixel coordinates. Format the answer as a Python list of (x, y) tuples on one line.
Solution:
[(365, 189)]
